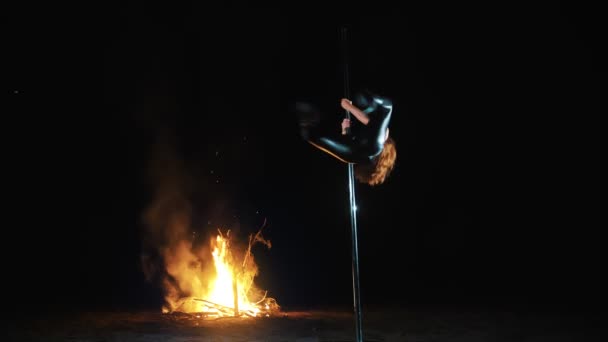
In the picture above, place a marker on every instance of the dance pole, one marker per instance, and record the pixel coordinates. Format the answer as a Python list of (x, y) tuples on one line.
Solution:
[(353, 207)]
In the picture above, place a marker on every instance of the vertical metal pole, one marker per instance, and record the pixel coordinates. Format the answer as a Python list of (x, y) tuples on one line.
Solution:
[(353, 208)]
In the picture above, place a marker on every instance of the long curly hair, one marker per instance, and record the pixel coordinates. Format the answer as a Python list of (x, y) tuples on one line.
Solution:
[(381, 167)]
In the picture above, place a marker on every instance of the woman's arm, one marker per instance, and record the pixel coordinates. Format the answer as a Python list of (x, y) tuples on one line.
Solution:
[(358, 113)]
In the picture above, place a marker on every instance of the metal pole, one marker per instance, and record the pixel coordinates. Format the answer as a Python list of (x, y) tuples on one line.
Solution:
[(353, 208)]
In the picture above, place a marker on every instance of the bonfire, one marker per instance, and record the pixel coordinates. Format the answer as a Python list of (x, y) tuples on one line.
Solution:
[(228, 289)]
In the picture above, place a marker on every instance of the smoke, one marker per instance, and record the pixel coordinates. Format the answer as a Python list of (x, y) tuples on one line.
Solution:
[(171, 257)]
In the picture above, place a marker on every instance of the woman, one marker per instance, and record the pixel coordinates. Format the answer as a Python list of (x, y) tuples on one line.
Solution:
[(369, 147)]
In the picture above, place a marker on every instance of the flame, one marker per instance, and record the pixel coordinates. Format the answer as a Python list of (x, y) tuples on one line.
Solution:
[(229, 279), (227, 290)]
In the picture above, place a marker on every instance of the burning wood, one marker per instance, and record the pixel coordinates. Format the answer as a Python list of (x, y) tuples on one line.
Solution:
[(227, 310), (208, 309)]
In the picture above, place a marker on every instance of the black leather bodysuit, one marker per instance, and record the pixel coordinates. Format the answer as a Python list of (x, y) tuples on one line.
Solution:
[(365, 141)]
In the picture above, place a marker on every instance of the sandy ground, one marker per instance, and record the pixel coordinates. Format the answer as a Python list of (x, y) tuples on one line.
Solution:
[(301, 326)]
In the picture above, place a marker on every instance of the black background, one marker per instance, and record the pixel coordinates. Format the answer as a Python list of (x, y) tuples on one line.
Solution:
[(492, 202)]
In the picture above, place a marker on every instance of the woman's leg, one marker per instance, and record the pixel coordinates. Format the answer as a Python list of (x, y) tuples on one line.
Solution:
[(340, 149), (345, 148)]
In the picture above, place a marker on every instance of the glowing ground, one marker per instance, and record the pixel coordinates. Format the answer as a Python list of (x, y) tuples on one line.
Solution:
[(388, 325)]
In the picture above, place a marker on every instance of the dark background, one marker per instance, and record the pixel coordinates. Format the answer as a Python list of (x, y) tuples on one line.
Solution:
[(493, 201)]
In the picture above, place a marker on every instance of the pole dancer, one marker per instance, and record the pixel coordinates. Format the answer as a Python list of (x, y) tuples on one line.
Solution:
[(366, 144), (367, 148)]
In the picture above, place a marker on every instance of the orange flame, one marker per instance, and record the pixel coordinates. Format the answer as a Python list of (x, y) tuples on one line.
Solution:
[(228, 290), (227, 280)]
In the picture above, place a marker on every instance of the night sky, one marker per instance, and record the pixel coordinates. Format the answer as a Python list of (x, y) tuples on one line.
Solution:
[(495, 117)]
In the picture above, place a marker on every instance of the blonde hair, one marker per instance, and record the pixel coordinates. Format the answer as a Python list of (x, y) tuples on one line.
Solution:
[(381, 167)]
